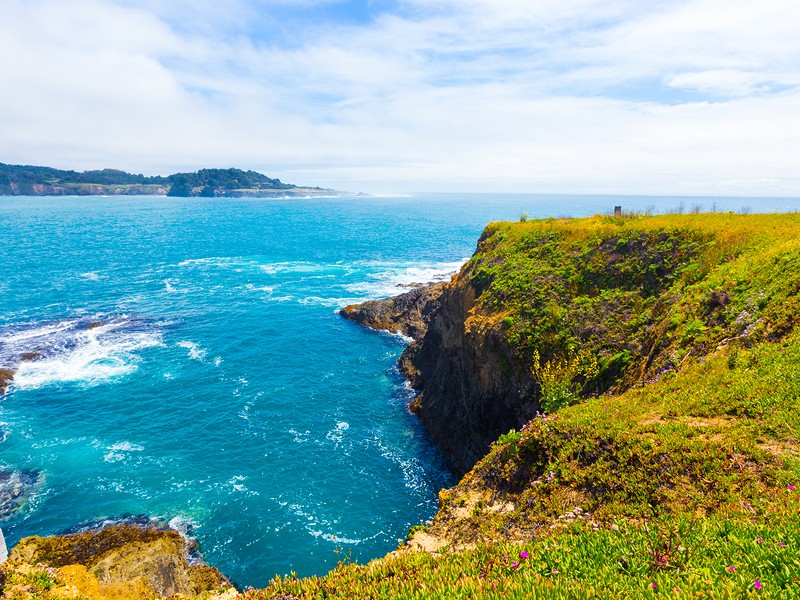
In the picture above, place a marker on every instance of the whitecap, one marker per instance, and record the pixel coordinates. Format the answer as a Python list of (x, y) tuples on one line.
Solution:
[(126, 447), (69, 352), (336, 435), (390, 279), (112, 457), (91, 276), (37, 332), (195, 352), (332, 537)]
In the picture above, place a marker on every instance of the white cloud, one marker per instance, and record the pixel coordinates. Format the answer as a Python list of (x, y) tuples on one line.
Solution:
[(569, 95)]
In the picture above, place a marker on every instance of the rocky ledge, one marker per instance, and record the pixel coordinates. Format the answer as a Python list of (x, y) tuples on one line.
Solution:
[(120, 561), (408, 313)]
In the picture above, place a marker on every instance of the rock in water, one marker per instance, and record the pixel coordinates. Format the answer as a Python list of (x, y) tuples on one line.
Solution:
[(120, 561), (6, 375), (408, 313), (15, 489)]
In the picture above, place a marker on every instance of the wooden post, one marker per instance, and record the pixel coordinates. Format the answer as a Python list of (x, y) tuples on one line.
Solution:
[(617, 211)]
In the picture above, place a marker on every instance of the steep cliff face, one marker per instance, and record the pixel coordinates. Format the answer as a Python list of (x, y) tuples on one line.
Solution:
[(469, 395)]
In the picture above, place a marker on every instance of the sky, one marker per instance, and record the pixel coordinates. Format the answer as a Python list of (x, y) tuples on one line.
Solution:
[(683, 97)]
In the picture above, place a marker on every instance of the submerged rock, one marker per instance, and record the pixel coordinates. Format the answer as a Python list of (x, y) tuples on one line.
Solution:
[(16, 487), (407, 313), (119, 561)]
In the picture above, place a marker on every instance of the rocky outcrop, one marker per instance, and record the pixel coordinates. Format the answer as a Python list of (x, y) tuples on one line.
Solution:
[(6, 375), (407, 313), (120, 561)]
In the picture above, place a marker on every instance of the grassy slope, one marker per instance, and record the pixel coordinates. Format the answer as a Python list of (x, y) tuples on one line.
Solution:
[(645, 489)]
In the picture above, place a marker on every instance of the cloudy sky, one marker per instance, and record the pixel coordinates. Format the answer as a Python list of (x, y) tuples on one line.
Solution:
[(584, 96)]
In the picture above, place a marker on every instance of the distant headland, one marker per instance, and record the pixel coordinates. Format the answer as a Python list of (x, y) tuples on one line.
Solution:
[(27, 180)]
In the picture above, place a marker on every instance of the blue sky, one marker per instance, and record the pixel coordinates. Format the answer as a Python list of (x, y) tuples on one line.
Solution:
[(383, 96)]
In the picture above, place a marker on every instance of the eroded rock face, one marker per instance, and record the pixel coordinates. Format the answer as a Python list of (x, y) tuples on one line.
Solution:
[(120, 561), (407, 313)]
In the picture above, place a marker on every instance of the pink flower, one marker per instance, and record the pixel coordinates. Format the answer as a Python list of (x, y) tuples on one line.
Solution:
[(653, 584), (782, 544), (524, 555), (731, 568), (790, 487), (555, 571), (515, 564), (759, 540), (756, 585)]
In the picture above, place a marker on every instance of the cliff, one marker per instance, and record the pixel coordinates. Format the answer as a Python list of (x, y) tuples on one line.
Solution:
[(117, 562), (663, 352)]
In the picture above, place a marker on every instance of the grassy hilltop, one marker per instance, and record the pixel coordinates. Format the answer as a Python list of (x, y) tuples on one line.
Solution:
[(665, 353)]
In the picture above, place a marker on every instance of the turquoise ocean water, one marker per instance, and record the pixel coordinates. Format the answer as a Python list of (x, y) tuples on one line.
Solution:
[(192, 367)]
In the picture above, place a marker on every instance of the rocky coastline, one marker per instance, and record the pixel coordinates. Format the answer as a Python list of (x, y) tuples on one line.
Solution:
[(467, 398), (121, 561)]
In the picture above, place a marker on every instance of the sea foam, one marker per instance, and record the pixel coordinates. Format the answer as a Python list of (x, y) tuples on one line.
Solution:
[(71, 351)]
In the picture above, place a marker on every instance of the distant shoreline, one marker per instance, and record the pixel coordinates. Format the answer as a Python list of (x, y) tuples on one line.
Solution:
[(28, 180)]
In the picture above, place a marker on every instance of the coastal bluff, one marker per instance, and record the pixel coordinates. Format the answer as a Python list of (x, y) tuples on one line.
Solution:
[(629, 386), (552, 311)]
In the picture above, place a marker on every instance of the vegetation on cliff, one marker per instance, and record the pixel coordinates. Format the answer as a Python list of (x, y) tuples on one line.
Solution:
[(670, 464), (29, 180)]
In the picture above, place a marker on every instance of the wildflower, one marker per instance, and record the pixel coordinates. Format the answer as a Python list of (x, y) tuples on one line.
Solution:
[(756, 585), (761, 422), (555, 571), (615, 527), (515, 565), (760, 541), (782, 544), (524, 555), (653, 584), (790, 487), (731, 568)]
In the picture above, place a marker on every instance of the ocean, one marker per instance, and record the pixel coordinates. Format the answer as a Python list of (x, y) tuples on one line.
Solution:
[(188, 364)]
